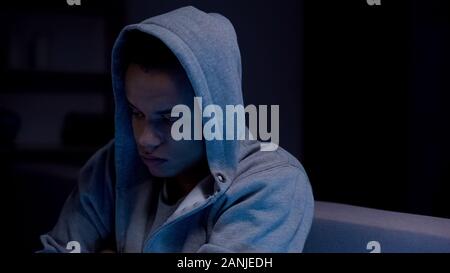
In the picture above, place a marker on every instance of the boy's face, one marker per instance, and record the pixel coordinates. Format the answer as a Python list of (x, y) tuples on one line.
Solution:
[(151, 96)]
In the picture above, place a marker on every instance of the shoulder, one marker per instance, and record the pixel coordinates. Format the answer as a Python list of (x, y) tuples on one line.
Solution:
[(275, 165), (271, 177), (102, 155), (100, 167)]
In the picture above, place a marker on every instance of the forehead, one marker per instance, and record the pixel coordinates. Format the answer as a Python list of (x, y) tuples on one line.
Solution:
[(156, 88)]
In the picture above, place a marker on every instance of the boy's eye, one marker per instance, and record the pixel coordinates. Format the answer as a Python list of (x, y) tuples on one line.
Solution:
[(137, 114)]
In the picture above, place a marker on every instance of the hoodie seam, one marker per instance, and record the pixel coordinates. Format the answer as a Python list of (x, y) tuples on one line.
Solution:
[(305, 204)]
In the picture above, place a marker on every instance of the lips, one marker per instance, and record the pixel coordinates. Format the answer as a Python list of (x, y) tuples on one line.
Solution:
[(152, 160), (149, 157)]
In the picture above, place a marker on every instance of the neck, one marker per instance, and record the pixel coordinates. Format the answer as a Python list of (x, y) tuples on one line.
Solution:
[(184, 182)]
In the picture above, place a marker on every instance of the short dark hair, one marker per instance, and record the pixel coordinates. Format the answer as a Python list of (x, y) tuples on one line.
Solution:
[(149, 53)]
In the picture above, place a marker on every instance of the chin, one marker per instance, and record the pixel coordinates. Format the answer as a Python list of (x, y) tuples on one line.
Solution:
[(161, 172)]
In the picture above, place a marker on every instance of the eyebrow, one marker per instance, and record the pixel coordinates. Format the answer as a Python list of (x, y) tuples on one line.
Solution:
[(164, 111), (132, 105)]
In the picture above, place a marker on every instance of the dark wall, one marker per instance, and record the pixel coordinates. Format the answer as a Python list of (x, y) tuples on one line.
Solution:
[(376, 103)]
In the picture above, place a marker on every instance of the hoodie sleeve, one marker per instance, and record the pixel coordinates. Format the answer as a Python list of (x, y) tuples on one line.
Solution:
[(86, 220), (266, 212)]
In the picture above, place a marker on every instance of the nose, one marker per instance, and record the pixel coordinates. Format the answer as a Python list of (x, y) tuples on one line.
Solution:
[(149, 139)]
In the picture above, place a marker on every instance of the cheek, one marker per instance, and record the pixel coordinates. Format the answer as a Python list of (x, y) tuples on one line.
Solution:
[(186, 151), (137, 128), (159, 129), (164, 130)]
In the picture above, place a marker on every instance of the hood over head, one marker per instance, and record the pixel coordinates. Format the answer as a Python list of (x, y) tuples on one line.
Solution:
[(206, 47)]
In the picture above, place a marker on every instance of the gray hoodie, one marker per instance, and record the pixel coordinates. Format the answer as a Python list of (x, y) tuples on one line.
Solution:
[(257, 201)]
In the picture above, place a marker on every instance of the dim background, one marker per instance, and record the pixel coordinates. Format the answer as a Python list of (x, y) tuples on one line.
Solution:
[(363, 94)]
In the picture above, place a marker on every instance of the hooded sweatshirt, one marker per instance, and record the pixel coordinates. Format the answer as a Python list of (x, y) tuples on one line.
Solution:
[(253, 200)]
